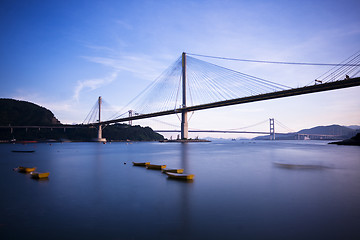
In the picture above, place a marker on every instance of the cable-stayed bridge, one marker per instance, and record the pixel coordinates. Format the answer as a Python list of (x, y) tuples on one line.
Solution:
[(190, 84)]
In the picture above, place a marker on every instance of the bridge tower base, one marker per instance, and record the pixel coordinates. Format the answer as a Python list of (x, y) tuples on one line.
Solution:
[(100, 138), (184, 126)]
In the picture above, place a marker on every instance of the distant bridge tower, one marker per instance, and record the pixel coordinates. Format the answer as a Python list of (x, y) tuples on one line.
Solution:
[(272, 129), (99, 138), (184, 120), (130, 115)]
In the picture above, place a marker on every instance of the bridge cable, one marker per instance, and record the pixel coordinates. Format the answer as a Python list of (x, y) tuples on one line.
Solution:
[(206, 83), (340, 70), (278, 123), (273, 62), (253, 125), (91, 114)]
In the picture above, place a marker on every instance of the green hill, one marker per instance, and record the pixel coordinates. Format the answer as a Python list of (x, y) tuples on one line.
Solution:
[(22, 113)]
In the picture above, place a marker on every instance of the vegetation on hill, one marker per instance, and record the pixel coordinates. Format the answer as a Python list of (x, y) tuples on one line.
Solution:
[(21, 113), (127, 132)]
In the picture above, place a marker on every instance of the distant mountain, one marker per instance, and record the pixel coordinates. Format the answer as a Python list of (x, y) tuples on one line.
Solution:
[(22, 113), (329, 130), (338, 132), (354, 127)]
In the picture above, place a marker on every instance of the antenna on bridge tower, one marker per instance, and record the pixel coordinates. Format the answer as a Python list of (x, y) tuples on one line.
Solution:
[(272, 129), (184, 120)]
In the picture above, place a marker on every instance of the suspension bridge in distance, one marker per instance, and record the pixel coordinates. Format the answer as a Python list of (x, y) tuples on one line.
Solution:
[(271, 131)]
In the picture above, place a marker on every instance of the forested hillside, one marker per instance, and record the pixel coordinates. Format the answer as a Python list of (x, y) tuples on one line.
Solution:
[(21, 113)]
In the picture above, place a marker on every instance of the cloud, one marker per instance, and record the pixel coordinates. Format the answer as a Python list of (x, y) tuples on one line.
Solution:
[(141, 65), (144, 66), (93, 84), (124, 24), (99, 48)]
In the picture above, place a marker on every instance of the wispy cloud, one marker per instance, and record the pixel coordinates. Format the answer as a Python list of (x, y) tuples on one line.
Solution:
[(124, 24), (99, 48), (141, 65), (93, 84)]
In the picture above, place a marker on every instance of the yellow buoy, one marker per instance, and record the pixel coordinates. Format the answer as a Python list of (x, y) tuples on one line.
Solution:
[(38, 175), (156, 167)]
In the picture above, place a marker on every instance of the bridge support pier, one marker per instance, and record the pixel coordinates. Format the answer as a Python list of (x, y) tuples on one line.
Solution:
[(184, 125), (100, 138), (100, 132)]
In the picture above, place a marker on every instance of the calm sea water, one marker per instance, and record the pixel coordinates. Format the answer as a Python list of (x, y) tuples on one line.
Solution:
[(241, 190)]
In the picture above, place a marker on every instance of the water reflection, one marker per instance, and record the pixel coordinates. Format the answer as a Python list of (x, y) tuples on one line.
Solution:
[(41, 180), (236, 189), (184, 148), (98, 173), (184, 206), (299, 166)]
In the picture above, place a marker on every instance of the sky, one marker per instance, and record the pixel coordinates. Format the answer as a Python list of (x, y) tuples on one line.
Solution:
[(62, 55)]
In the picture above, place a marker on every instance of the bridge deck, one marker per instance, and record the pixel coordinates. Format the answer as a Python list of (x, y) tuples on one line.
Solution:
[(55, 126), (250, 132), (352, 82)]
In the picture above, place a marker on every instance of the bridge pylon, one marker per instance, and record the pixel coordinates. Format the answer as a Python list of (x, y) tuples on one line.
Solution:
[(100, 138), (184, 120), (130, 115), (272, 129)]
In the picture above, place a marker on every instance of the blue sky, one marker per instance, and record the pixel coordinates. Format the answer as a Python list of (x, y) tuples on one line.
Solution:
[(64, 54)]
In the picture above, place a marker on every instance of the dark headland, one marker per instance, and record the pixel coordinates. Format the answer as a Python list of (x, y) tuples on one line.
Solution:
[(354, 141)]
